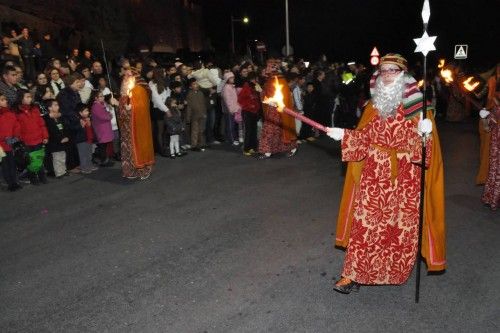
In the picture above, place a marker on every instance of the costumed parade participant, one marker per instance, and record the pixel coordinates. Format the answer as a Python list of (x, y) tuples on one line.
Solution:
[(483, 128), (490, 121), (137, 152), (378, 221), (278, 130)]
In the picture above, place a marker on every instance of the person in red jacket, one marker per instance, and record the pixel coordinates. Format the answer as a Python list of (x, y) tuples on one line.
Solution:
[(34, 134), (249, 100), (10, 131)]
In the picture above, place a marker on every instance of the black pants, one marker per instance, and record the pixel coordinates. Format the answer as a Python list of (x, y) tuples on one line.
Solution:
[(102, 152), (72, 158), (250, 122), (218, 121), (9, 171), (157, 120)]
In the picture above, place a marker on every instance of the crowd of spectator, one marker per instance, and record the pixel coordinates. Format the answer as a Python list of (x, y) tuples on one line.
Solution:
[(60, 110)]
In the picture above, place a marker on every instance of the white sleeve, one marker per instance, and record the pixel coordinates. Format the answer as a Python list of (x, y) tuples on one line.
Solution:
[(214, 77), (157, 101), (297, 98)]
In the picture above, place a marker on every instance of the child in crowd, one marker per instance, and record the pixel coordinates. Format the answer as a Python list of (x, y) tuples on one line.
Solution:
[(101, 123), (177, 93), (174, 127), (196, 114), (110, 103), (83, 136), (34, 134), (58, 138), (10, 131)]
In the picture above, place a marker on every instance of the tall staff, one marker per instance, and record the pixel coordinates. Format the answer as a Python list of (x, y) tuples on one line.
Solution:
[(106, 67), (424, 45)]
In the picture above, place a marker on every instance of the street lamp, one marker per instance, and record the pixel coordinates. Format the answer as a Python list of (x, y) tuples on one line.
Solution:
[(244, 20)]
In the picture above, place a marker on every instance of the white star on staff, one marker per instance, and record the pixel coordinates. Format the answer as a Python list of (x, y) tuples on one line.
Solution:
[(425, 43)]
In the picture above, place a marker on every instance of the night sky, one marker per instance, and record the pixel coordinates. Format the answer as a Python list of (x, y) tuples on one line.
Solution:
[(349, 29)]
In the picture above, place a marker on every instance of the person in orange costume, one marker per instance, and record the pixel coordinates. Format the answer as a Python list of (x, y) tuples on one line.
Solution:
[(137, 152), (378, 220)]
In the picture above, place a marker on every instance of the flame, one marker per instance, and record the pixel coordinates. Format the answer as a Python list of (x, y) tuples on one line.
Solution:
[(277, 98), (420, 83), (130, 86), (470, 86), (447, 75)]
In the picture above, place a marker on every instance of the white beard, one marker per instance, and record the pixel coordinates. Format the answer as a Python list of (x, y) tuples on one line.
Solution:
[(387, 98)]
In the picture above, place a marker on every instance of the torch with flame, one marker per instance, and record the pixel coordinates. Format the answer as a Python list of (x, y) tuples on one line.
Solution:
[(277, 101), (130, 86), (469, 85), (446, 74)]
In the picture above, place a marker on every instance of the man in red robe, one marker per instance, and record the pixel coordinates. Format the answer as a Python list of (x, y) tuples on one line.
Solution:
[(379, 215), (137, 152), (278, 133)]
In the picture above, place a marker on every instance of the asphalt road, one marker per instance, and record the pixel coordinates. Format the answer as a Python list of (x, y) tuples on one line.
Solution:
[(218, 242)]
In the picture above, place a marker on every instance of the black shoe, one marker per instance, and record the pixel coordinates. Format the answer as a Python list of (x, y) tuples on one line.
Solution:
[(182, 153), (345, 286), (107, 163), (172, 157), (14, 187), (197, 149), (42, 177), (34, 179)]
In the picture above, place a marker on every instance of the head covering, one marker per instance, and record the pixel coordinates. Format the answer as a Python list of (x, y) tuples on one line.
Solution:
[(412, 97), (394, 59)]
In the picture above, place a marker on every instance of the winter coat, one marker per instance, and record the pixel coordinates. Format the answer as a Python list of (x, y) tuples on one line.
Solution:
[(33, 129), (68, 100), (57, 132), (9, 128), (196, 105), (78, 133), (206, 78), (249, 99), (174, 122), (230, 99), (101, 122)]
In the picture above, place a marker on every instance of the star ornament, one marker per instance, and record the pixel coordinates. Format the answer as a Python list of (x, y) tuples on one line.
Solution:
[(425, 43)]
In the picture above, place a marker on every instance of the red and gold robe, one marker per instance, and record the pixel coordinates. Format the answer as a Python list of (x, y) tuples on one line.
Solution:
[(379, 217), (278, 130), (137, 152)]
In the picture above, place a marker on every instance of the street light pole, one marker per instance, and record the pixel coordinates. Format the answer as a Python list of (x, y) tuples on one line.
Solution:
[(244, 20), (287, 47), (232, 34)]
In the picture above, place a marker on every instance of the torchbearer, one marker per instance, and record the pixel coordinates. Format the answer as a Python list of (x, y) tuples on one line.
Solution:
[(278, 130), (137, 152), (378, 220)]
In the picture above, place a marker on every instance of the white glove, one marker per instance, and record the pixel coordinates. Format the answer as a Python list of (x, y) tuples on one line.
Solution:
[(484, 113), (335, 133), (424, 127)]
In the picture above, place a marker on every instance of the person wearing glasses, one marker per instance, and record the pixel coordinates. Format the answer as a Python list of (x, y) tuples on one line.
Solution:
[(378, 220)]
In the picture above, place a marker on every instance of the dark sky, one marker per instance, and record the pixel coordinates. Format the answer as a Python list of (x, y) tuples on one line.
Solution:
[(349, 29)]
